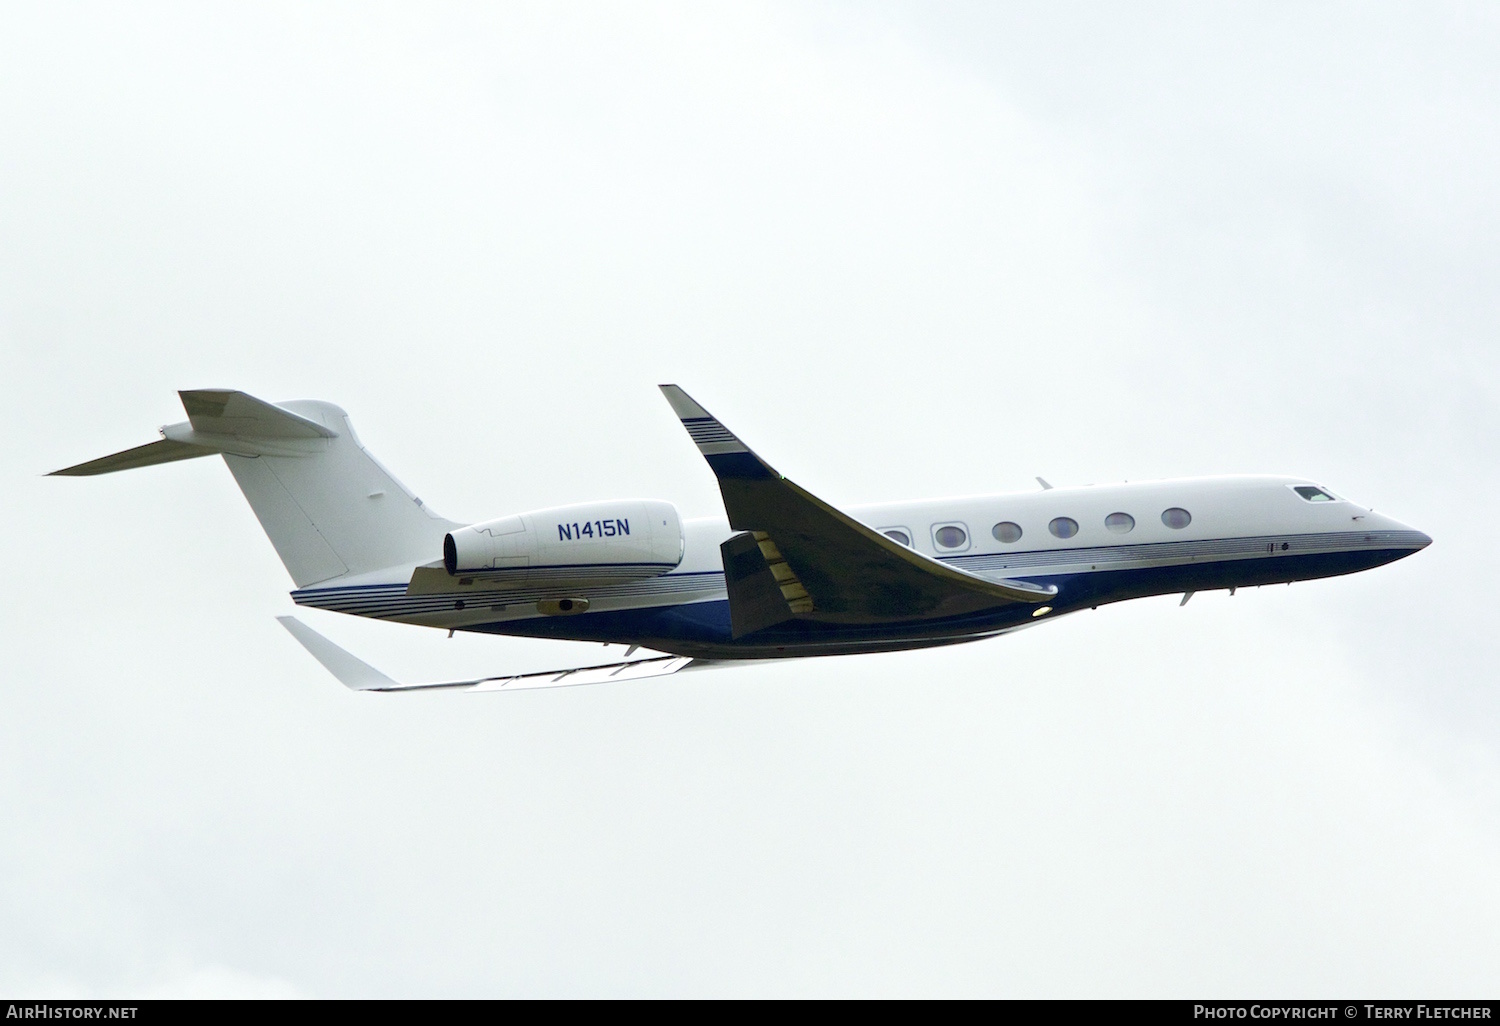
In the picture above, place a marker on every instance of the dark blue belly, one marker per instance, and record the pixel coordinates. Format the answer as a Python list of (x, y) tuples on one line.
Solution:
[(702, 628)]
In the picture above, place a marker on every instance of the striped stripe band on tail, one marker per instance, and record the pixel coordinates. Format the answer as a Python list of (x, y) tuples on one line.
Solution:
[(711, 437), (726, 455)]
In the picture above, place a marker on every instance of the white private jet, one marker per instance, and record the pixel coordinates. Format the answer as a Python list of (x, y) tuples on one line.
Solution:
[(784, 575)]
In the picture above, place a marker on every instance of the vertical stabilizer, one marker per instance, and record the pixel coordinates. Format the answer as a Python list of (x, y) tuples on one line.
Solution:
[(328, 506)]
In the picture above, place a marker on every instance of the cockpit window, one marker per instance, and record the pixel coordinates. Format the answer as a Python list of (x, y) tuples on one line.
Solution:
[(1312, 494)]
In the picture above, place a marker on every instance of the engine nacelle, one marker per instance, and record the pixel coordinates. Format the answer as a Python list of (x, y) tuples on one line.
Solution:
[(593, 543)]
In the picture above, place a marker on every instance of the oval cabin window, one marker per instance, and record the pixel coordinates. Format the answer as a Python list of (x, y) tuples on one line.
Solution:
[(1063, 527), (1176, 518), (897, 535), (1006, 532), (950, 537), (1120, 523)]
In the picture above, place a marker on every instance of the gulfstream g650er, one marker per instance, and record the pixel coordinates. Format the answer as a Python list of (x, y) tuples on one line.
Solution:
[(783, 575)]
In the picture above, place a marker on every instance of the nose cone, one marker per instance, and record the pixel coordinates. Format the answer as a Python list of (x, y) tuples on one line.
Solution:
[(1401, 537)]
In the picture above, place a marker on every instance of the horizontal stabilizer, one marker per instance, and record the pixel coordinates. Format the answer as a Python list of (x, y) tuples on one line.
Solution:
[(222, 411), (351, 671), (163, 451), (359, 675), (219, 421)]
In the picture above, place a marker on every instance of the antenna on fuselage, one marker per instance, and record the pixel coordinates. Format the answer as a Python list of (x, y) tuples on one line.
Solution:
[(1043, 482)]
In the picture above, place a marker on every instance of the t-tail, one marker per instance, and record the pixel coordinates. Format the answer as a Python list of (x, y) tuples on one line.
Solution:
[(328, 506)]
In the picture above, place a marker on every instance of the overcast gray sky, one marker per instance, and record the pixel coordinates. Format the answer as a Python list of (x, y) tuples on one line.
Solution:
[(903, 250)]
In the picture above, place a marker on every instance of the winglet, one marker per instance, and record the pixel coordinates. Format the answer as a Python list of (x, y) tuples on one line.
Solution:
[(726, 454), (352, 672)]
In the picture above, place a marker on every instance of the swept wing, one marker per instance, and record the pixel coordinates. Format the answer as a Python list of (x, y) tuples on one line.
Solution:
[(801, 558)]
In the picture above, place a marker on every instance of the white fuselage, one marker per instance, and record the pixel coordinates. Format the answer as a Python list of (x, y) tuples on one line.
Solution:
[(1245, 529)]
